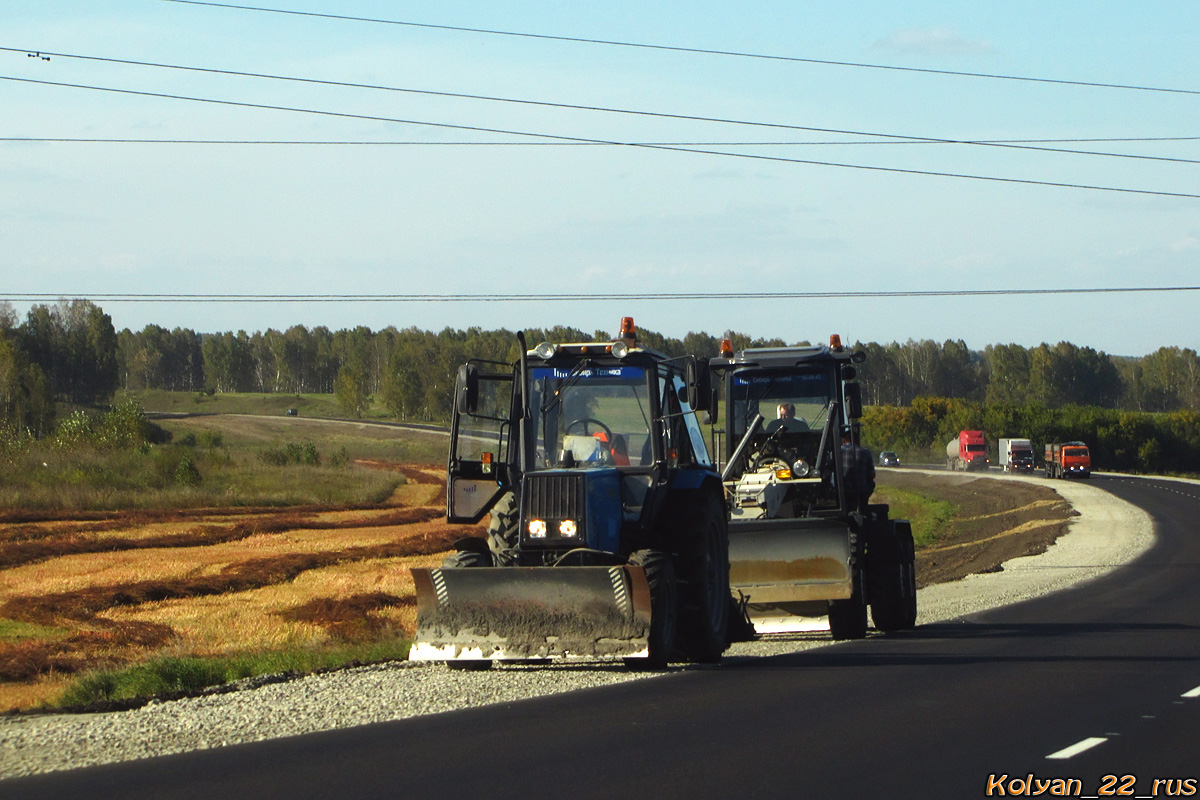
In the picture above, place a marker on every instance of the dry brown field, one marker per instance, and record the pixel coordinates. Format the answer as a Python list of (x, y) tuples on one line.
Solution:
[(81, 591)]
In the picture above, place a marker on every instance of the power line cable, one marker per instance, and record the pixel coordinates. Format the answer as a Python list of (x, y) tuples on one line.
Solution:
[(694, 50), (600, 109), (667, 148), (416, 143), (116, 297)]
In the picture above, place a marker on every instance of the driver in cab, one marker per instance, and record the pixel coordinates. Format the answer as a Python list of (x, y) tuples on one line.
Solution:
[(786, 420)]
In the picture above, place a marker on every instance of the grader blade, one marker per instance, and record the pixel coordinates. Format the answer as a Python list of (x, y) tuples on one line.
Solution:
[(507, 613), (788, 569)]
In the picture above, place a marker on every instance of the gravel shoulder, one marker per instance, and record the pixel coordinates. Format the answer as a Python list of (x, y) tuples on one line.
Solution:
[(1106, 534)]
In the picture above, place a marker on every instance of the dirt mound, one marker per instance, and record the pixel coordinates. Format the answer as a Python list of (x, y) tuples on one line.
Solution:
[(995, 520)]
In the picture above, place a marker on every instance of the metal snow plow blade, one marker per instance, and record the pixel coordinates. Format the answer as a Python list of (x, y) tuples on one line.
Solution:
[(497, 613), (788, 569)]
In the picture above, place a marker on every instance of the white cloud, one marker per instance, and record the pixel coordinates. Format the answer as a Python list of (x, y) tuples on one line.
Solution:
[(934, 41)]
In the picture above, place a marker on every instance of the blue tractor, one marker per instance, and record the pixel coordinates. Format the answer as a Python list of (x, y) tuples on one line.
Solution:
[(607, 536)]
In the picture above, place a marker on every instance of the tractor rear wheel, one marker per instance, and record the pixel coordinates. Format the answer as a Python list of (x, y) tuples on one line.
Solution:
[(909, 549), (892, 579)]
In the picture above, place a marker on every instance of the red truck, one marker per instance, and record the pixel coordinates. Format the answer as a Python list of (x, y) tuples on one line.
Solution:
[(968, 451), (1068, 460)]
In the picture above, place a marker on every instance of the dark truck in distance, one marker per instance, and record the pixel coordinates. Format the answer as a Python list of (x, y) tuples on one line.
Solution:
[(1016, 455)]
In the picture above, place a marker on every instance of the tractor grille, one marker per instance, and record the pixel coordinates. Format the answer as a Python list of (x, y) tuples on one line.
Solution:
[(554, 497)]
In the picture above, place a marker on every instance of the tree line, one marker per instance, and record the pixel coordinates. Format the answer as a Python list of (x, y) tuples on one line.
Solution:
[(411, 370), (1119, 440), (62, 353), (69, 352), (1053, 376)]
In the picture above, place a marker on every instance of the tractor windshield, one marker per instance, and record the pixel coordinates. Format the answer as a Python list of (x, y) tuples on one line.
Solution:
[(590, 416), (795, 401)]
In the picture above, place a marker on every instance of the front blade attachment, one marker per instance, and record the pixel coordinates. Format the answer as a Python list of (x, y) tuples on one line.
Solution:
[(504, 613), (788, 569)]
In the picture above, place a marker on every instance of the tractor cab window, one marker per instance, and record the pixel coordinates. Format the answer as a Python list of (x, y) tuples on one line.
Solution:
[(590, 416), (480, 437), (797, 402)]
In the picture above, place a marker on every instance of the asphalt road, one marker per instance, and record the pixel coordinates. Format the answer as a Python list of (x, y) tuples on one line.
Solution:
[(1087, 687)]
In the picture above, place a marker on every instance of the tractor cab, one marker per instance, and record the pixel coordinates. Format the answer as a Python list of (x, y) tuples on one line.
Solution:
[(787, 413), (601, 426)]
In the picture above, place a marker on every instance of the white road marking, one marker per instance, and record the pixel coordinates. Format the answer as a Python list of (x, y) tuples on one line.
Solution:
[(1193, 693), (1078, 747)]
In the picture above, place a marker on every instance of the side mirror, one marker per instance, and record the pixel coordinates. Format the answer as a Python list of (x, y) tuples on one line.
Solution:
[(699, 385), (853, 401), (467, 389)]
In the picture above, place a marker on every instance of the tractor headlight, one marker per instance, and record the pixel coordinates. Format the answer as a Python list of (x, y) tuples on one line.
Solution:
[(801, 468), (545, 351), (567, 528), (619, 349), (537, 528)]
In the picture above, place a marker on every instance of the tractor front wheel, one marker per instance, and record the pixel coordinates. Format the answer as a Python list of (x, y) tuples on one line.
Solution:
[(848, 618), (461, 560), (664, 608), (703, 547)]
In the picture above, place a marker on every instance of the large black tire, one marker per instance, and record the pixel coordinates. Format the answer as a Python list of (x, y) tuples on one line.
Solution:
[(848, 618), (904, 530), (702, 544), (891, 578), (502, 534), (467, 558), (664, 608)]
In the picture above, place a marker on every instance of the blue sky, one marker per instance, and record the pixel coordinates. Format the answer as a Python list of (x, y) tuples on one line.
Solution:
[(78, 219)]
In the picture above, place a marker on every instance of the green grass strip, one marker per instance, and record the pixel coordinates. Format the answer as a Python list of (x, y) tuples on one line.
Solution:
[(172, 675), (930, 517)]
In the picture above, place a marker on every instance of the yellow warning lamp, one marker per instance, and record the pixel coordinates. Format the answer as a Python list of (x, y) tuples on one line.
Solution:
[(835, 343), (726, 348)]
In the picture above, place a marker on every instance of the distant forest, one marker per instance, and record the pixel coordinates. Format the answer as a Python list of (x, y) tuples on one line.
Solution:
[(69, 352)]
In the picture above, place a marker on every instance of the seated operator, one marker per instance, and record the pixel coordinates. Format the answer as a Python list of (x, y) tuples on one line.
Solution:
[(787, 420), (619, 450)]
